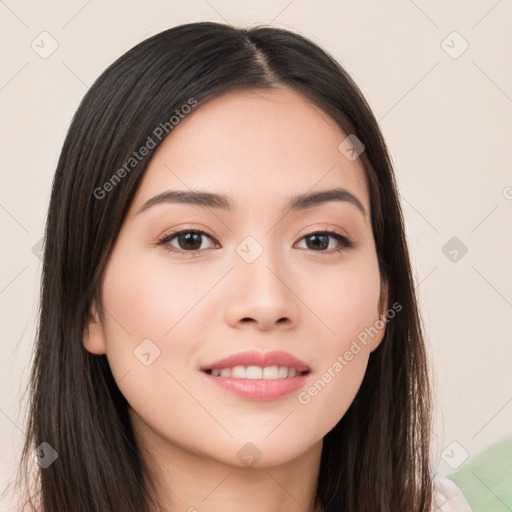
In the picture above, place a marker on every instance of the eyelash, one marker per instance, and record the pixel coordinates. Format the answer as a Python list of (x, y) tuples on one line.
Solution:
[(344, 242)]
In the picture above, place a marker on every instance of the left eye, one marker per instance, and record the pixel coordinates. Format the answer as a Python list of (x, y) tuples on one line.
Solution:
[(321, 238), (189, 241)]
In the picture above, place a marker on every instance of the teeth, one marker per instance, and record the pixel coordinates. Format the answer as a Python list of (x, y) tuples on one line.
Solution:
[(256, 372), (238, 372), (283, 372), (272, 372), (253, 372)]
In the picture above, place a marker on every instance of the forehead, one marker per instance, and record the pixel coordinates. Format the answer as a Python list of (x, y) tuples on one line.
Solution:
[(264, 145)]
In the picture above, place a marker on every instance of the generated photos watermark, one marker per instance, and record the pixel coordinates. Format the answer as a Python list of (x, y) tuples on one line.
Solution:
[(304, 397)]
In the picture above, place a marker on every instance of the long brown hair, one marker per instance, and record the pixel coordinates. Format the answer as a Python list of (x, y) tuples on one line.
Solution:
[(377, 457)]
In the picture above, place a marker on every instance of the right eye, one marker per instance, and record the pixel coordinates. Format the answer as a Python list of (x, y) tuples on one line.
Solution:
[(188, 241)]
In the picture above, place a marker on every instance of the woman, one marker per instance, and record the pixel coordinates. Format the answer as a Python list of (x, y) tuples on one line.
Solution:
[(282, 365)]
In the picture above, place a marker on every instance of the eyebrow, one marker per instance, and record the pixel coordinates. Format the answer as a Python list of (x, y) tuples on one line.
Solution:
[(221, 201)]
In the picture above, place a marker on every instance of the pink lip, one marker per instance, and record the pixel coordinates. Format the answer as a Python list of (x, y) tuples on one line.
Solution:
[(255, 358), (259, 389)]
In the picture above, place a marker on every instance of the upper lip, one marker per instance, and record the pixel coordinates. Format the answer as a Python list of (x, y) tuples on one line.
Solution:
[(263, 359)]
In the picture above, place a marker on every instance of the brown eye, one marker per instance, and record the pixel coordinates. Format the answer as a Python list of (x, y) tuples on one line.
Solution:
[(187, 241), (319, 241)]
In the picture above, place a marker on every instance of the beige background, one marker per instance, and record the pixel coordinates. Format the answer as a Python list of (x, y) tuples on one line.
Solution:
[(446, 118)]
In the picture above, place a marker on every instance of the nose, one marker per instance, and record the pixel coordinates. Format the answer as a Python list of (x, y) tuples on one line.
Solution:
[(261, 295)]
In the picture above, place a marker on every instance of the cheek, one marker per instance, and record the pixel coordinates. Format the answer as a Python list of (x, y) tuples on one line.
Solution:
[(344, 298), (151, 332), (328, 396), (151, 342), (153, 298), (348, 314)]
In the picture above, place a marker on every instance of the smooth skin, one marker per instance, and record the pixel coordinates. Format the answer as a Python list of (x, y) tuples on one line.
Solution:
[(260, 149)]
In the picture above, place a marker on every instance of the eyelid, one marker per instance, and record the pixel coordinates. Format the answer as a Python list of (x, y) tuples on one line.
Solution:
[(323, 228)]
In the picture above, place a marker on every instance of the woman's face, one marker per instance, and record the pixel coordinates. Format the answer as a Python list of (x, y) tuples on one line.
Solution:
[(261, 281)]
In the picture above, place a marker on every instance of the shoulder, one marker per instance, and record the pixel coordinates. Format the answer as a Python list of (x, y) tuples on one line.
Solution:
[(448, 497)]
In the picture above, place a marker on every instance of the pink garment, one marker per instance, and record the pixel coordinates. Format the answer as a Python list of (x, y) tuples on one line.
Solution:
[(448, 497)]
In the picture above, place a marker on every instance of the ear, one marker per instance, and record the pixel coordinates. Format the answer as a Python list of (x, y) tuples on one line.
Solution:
[(380, 324), (94, 334)]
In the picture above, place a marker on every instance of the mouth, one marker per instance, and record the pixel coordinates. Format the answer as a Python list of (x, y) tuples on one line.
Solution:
[(253, 364), (255, 375), (256, 372)]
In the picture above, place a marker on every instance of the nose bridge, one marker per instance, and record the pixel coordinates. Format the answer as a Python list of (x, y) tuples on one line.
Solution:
[(260, 289), (258, 266)]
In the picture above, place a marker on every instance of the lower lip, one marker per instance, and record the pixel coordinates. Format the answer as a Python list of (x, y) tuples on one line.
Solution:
[(259, 389)]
